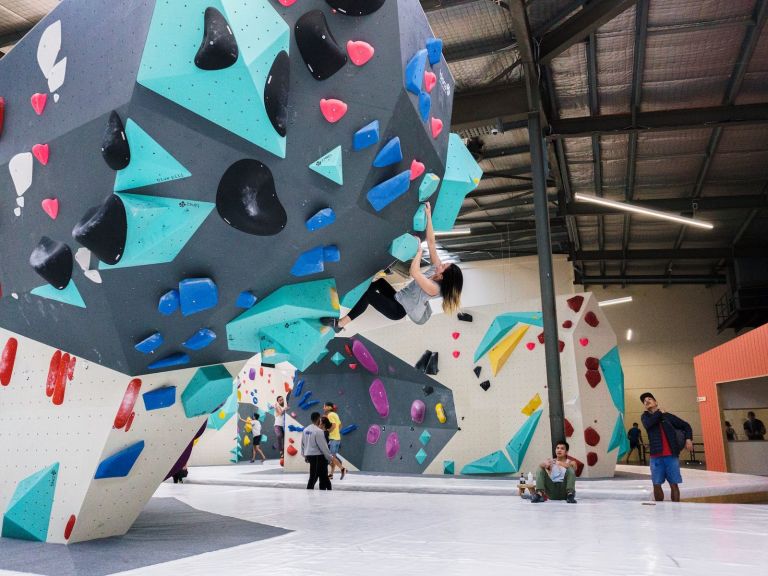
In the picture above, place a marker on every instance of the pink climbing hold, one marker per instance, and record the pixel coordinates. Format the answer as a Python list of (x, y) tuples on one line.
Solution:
[(530, 345), (379, 398), (456, 353), (287, 3), (364, 357), (584, 341), (418, 411), (429, 80), (437, 126), (393, 445), (51, 207), (41, 152), (38, 102), (359, 52), (373, 435), (333, 110), (455, 335), (417, 169)]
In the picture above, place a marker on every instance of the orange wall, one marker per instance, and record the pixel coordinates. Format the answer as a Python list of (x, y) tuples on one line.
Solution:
[(742, 357)]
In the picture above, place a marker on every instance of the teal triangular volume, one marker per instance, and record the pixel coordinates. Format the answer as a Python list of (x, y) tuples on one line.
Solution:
[(518, 446), (619, 439), (29, 511), (495, 463), (233, 97), (501, 325), (70, 295), (150, 162), (351, 298), (462, 175), (610, 364), (330, 166), (229, 409), (158, 228)]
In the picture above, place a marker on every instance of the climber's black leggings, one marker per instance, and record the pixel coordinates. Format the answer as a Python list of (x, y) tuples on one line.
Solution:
[(381, 296)]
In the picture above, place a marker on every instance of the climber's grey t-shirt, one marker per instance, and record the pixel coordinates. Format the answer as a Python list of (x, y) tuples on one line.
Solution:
[(415, 300)]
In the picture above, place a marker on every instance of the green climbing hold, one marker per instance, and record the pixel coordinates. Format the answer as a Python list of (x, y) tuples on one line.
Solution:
[(28, 513), (330, 166), (518, 446), (495, 463)]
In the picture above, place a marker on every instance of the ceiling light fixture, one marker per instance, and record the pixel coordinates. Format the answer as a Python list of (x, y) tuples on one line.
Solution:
[(644, 211), (455, 232), (629, 334), (621, 300)]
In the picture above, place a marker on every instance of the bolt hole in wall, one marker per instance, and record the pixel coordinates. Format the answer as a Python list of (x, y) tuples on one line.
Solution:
[(736, 399)]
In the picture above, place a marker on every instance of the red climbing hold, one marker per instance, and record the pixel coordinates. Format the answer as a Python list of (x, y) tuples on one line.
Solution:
[(592, 363), (429, 80), (292, 450), (130, 421), (593, 377), (290, 440), (51, 207), (437, 126), (42, 153), (560, 345), (287, 3), (359, 52), (7, 361), (348, 349), (541, 337), (584, 341), (591, 458), (591, 319), (261, 371), (53, 369), (71, 368), (69, 527), (287, 387), (456, 353), (282, 461), (575, 303), (579, 465), (530, 345), (591, 437), (129, 401), (333, 110), (353, 366), (568, 429), (417, 169), (38, 102), (60, 384), (567, 324), (455, 335)]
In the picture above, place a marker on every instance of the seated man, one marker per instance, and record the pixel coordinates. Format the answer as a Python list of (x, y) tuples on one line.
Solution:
[(555, 478)]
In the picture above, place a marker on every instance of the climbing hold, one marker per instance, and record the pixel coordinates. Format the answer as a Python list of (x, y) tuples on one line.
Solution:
[(208, 389), (245, 299), (287, 3), (593, 377), (584, 341), (440, 413), (7, 360), (53, 261), (330, 166), (418, 411), (247, 200), (126, 405), (197, 294), (348, 429), (500, 353), (575, 302), (319, 49), (421, 364), (432, 364), (614, 377), (436, 126), (38, 103), (218, 49), (456, 353), (276, 92), (42, 153), (530, 345), (21, 167), (159, 398), (428, 186), (425, 437), (51, 207), (532, 406), (69, 295), (169, 303), (366, 136), (364, 357), (455, 335), (390, 153), (485, 385), (518, 445), (313, 261), (591, 319), (355, 7), (427, 389), (404, 247), (114, 144), (332, 109), (417, 169), (568, 428), (298, 389), (291, 450), (540, 337), (28, 513), (462, 175), (388, 191), (420, 218), (592, 363), (373, 435), (359, 52), (567, 324), (119, 464), (449, 467), (591, 458), (477, 370), (321, 219), (379, 398), (150, 343), (392, 446), (175, 359), (434, 50), (591, 437), (337, 358), (414, 71), (425, 105), (103, 230), (495, 463), (200, 339), (420, 456), (429, 82), (69, 527)]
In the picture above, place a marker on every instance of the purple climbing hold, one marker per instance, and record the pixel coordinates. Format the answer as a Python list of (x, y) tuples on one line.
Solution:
[(373, 435), (252, 374), (393, 445), (379, 398), (364, 357), (418, 411)]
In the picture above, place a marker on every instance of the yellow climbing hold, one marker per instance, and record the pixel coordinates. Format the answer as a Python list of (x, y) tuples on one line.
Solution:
[(440, 412), (532, 405), (222, 414), (335, 299), (248, 427), (268, 352), (246, 441), (500, 353), (239, 396)]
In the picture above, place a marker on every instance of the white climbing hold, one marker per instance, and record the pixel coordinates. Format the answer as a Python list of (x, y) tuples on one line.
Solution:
[(20, 167)]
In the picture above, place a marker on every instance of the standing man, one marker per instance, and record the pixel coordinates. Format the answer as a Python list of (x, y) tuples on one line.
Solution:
[(555, 478), (314, 448), (664, 446), (280, 408), (635, 442), (334, 438), (754, 428)]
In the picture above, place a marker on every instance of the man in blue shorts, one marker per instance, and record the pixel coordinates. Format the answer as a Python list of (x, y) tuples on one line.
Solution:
[(664, 446)]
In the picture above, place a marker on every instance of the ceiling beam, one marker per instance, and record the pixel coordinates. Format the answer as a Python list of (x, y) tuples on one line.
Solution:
[(667, 254), (704, 204), (432, 5), (658, 279), (484, 107), (474, 49), (506, 151), (484, 192)]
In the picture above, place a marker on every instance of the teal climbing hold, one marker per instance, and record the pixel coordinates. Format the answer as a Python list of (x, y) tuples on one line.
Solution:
[(462, 175), (495, 463), (207, 390), (404, 247), (449, 467), (420, 219), (388, 191), (168, 67), (219, 417), (303, 339), (501, 326), (428, 186), (390, 153), (150, 162), (120, 464), (610, 364), (322, 355), (330, 166), (28, 513), (414, 71), (70, 295), (425, 437), (619, 439), (367, 136), (518, 446), (338, 358), (158, 228), (353, 296), (420, 456)]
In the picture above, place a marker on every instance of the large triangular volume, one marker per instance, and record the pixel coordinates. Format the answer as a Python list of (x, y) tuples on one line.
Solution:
[(518, 446), (70, 295), (330, 166), (29, 512)]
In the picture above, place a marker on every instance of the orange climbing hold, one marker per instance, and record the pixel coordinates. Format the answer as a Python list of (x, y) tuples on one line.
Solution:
[(359, 52), (333, 110), (292, 450)]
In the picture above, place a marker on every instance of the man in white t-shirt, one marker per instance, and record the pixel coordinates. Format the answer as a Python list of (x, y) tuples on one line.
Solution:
[(555, 478)]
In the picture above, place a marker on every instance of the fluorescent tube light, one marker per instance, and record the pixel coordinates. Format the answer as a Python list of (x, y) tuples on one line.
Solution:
[(644, 211), (621, 300), (455, 232), (629, 334)]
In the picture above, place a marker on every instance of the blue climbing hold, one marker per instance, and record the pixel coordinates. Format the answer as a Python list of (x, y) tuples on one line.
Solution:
[(309, 405), (246, 299), (298, 388), (309, 262), (390, 153), (425, 104), (347, 429), (197, 294), (367, 136), (175, 359), (434, 50), (414, 71), (159, 398), (294, 428), (388, 191), (200, 339), (150, 343), (169, 303), (321, 219), (119, 465), (331, 253)]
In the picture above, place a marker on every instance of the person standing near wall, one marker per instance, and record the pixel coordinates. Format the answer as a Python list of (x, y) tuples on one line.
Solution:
[(635, 437), (664, 446), (256, 436), (334, 437), (730, 432), (314, 448), (281, 406), (754, 428)]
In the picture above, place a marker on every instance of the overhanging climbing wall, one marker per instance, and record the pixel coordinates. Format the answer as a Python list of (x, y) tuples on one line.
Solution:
[(179, 192)]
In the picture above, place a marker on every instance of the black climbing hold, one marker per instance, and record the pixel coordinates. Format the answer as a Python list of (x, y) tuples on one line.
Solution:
[(114, 144), (485, 385), (421, 365), (477, 370), (322, 55), (53, 261), (355, 7), (427, 389), (103, 230), (276, 92), (464, 317), (247, 200), (218, 50), (432, 364)]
